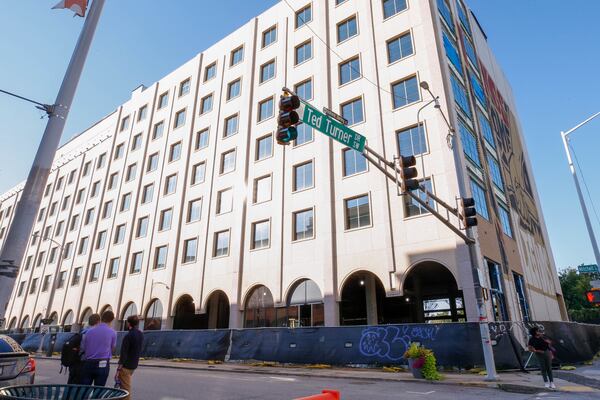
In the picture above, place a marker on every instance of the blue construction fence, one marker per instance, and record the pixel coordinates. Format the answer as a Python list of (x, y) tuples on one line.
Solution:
[(454, 344)]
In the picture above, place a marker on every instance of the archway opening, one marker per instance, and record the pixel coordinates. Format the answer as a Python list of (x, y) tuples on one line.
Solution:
[(25, 323), (260, 309), (68, 321), (130, 310), (153, 317), (362, 300), (107, 307), (304, 306), (54, 318), (13, 323), (185, 315), (84, 321), (37, 323), (217, 310)]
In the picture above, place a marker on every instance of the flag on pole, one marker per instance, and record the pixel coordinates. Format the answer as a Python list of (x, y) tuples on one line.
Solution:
[(77, 6)]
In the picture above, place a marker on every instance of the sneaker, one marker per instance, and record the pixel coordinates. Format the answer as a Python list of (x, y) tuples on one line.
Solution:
[(547, 385), (552, 385)]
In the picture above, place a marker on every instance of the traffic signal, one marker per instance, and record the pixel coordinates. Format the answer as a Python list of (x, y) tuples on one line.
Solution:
[(593, 297), (468, 212), (287, 120), (407, 174)]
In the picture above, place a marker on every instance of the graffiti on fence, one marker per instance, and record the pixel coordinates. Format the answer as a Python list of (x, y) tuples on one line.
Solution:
[(499, 329), (391, 342)]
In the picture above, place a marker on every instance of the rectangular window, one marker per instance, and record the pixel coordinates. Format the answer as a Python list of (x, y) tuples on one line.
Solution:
[(267, 71), (303, 52), (358, 213), (21, 289), (460, 95), (71, 176), (142, 113), (221, 244), (52, 255), (478, 89), (80, 195), (34, 238), (59, 227), (260, 234), (62, 279), (201, 139), (469, 142), (136, 143), (52, 208), (184, 87), (190, 248), (46, 283), (269, 36), (152, 162), (228, 162), (231, 126), (452, 53), (352, 111), (179, 119), (47, 190), (119, 151), (393, 7), (166, 217), (478, 193), (505, 220), (198, 173), (100, 240), (347, 29), (303, 176), (33, 286), (470, 50), (224, 201), (405, 92), (399, 47), (303, 224), (131, 172), (95, 272), (60, 180), (264, 147), (210, 71), (486, 129), (119, 234), (446, 14), (40, 259), (305, 135), (160, 257), (349, 70), (89, 216), (76, 276), (95, 189), (354, 162), (65, 203), (304, 90), (112, 181), (163, 100), (206, 104), (158, 130), (520, 289), (136, 262), (262, 189), (147, 193), (412, 141), (124, 124), (303, 16), (113, 269), (234, 89), (74, 222), (237, 56), (265, 109), (170, 184), (495, 171), (83, 245), (194, 210), (41, 214), (411, 207), (175, 152), (142, 227), (107, 210), (47, 232)]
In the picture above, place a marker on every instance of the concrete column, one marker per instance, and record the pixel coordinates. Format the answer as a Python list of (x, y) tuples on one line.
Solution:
[(235, 317), (371, 296), (332, 311)]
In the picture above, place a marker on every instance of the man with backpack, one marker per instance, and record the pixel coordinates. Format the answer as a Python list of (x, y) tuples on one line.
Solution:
[(98, 345), (70, 356)]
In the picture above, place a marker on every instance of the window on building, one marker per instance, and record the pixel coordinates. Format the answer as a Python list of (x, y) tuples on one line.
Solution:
[(304, 90), (89, 216), (142, 113), (41, 214), (269, 36), (265, 109), (142, 227), (190, 249), (163, 100), (74, 222), (393, 7), (131, 172), (113, 269), (521, 295), (260, 234), (221, 244), (303, 176), (405, 92), (198, 173), (113, 180), (119, 151), (86, 168), (119, 234), (354, 162), (352, 111), (107, 210), (201, 139), (52, 255), (47, 232), (412, 141), (303, 16), (237, 56), (152, 162), (411, 207), (52, 208), (184, 87), (495, 171), (446, 13), (100, 240), (76, 278), (160, 257), (175, 152), (478, 193), (347, 29), (505, 220), (59, 227), (460, 95), (224, 201), (303, 224), (170, 184), (80, 195), (34, 238), (231, 126), (267, 71), (46, 283), (65, 203), (400, 47), (486, 129), (61, 179), (194, 210), (47, 190), (95, 272), (470, 50), (234, 89), (303, 52), (136, 262), (264, 147), (33, 286), (166, 217), (262, 189), (206, 104), (210, 71), (305, 135), (358, 213), (147, 193), (227, 161), (40, 259), (62, 279), (452, 52), (21, 289), (158, 130), (71, 177), (95, 189), (349, 70), (124, 123), (179, 119), (83, 245), (469, 142), (136, 142)]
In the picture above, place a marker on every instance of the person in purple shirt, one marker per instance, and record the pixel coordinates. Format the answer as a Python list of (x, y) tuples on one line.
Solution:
[(98, 345)]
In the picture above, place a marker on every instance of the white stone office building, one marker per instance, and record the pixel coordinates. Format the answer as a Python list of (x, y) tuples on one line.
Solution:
[(180, 206)]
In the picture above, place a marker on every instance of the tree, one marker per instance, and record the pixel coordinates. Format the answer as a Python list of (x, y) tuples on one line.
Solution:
[(574, 286)]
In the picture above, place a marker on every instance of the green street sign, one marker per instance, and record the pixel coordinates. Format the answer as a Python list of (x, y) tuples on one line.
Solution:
[(332, 128), (588, 269)]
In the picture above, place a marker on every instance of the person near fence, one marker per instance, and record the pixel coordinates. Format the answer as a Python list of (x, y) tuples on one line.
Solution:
[(71, 355), (541, 347), (131, 349), (97, 346)]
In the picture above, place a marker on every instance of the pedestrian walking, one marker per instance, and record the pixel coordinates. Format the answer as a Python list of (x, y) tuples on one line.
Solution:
[(131, 349), (71, 356), (97, 346), (541, 347)]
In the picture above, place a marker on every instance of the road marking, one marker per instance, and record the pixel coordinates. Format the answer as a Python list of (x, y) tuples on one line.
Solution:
[(283, 379), (423, 393)]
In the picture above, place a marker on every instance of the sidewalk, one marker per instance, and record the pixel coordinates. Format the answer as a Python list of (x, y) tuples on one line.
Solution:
[(510, 381)]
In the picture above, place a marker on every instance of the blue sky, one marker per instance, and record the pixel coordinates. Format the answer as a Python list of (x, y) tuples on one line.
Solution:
[(548, 51)]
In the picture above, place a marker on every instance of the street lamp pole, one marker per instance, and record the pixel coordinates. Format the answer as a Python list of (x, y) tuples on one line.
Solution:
[(588, 224)]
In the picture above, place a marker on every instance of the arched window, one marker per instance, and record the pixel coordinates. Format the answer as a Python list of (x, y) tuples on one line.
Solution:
[(304, 306), (153, 317), (54, 318), (37, 322), (85, 317), (25, 322), (130, 310), (260, 309), (68, 321)]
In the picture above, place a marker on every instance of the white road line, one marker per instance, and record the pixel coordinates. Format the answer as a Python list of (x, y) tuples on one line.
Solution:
[(423, 393), (283, 379)]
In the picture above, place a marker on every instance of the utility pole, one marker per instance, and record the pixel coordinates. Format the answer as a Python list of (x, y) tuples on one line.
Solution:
[(31, 197)]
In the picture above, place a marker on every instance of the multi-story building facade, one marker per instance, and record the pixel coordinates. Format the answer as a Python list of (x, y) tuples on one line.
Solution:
[(179, 206)]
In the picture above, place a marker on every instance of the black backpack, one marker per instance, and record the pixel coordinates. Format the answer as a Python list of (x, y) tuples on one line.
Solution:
[(69, 355)]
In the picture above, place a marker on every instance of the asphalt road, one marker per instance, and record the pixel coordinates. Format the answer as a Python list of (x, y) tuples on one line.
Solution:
[(176, 384)]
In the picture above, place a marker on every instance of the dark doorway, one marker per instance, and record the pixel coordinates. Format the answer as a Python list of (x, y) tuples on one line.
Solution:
[(185, 315), (217, 311), (362, 299)]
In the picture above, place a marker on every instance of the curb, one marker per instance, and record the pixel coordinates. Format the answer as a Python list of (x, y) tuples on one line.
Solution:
[(578, 379)]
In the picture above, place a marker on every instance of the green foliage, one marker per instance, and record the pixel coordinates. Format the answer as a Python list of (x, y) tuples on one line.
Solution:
[(429, 369), (574, 286), (415, 351)]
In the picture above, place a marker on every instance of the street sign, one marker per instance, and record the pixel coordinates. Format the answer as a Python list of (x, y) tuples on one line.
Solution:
[(332, 128), (588, 269), (335, 116)]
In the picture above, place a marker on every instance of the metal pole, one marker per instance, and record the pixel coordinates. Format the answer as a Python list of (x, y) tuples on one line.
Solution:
[(27, 208), (586, 216)]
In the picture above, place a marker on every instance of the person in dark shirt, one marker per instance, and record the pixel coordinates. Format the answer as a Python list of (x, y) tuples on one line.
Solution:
[(131, 348), (540, 346)]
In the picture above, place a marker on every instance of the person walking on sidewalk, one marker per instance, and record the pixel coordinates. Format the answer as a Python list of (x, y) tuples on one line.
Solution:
[(540, 346), (72, 355), (98, 345), (131, 349)]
